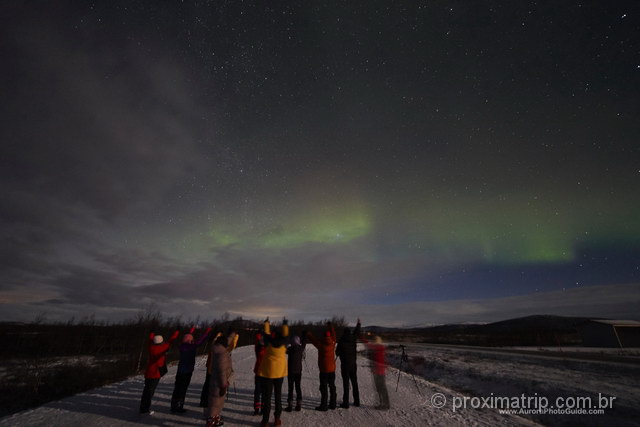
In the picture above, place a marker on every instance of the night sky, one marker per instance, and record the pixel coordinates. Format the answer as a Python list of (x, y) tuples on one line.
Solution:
[(406, 162)]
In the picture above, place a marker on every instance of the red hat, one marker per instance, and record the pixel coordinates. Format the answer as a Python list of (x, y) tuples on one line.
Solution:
[(327, 334)]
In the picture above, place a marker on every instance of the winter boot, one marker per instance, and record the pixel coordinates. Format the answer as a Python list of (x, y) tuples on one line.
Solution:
[(215, 421), (298, 406), (289, 408), (344, 405), (321, 408), (277, 422)]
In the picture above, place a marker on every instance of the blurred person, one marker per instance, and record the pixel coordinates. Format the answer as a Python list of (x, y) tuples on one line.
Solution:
[(378, 368)]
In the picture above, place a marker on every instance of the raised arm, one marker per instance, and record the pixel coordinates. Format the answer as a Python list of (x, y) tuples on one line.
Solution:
[(356, 331), (232, 341), (173, 337), (313, 340), (267, 327), (204, 336)]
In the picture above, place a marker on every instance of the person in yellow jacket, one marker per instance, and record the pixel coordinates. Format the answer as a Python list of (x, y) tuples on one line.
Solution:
[(273, 369)]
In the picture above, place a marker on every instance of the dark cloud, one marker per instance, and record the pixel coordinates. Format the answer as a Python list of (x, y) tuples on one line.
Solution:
[(443, 161)]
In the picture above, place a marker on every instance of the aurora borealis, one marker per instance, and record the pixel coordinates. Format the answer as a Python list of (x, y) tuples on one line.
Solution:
[(406, 162)]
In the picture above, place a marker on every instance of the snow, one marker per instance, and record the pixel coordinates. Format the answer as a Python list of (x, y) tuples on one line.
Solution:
[(117, 404), (479, 371)]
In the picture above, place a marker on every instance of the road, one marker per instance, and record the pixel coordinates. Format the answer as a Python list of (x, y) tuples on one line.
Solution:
[(117, 404)]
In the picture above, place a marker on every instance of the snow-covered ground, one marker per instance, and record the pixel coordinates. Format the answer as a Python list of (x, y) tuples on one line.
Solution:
[(481, 371), (117, 404)]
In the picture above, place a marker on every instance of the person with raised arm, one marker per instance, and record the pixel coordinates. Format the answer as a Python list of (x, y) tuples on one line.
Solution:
[(156, 368), (294, 366), (346, 351), (220, 378), (232, 342), (273, 369), (186, 365), (259, 350), (327, 366)]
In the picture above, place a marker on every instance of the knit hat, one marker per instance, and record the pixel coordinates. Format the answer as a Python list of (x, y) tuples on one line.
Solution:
[(188, 338), (157, 339), (327, 334)]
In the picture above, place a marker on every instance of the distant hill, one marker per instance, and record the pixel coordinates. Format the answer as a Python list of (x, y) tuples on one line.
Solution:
[(541, 330)]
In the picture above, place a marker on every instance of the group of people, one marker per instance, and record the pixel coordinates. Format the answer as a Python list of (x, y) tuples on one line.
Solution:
[(218, 377), (272, 365), (278, 355)]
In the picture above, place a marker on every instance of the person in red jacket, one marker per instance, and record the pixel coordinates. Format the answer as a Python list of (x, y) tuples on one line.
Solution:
[(260, 350), (327, 366), (157, 351), (378, 367)]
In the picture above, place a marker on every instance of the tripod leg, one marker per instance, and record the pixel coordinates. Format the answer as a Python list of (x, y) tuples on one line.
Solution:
[(399, 370)]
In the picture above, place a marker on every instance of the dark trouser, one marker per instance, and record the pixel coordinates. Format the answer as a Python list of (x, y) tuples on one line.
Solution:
[(269, 385), (257, 393), (327, 379), (150, 385), (294, 379), (381, 388), (204, 395), (350, 374), (180, 389)]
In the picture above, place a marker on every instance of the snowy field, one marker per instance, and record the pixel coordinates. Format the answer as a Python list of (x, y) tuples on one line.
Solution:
[(117, 404), (480, 371)]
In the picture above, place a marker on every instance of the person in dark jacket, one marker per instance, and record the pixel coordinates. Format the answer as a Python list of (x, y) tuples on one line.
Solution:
[(259, 350), (346, 351), (157, 360), (186, 365), (327, 366), (294, 363)]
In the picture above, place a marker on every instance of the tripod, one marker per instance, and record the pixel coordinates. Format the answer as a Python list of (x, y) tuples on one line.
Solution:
[(404, 358)]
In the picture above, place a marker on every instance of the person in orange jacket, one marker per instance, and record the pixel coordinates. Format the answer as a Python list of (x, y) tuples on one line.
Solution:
[(157, 361), (327, 366)]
